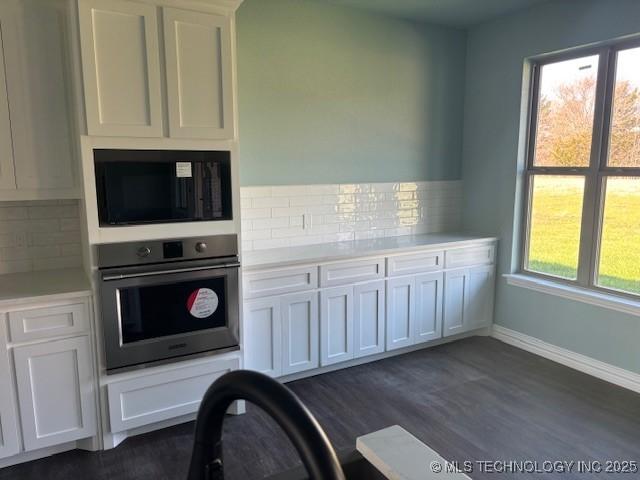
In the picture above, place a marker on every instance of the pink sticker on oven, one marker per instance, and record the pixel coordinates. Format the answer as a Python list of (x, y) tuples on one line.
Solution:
[(202, 303)]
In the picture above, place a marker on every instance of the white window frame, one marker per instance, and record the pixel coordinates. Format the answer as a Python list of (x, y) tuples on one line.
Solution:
[(595, 174)]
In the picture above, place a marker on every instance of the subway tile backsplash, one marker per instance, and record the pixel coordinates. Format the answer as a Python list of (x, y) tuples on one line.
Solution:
[(292, 215), (39, 235)]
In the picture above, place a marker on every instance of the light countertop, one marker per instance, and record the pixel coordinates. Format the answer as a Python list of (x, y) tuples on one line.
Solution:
[(326, 252), (398, 455), (35, 286)]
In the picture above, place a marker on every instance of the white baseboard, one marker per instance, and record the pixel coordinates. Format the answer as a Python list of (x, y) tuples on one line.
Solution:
[(596, 368)]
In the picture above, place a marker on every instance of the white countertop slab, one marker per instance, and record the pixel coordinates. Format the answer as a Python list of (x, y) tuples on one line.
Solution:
[(37, 286), (398, 455), (326, 252)]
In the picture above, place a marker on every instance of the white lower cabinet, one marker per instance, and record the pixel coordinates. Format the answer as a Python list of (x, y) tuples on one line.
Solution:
[(351, 312), (9, 443), (468, 299), (400, 312), (336, 325), (55, 392), (368, 318), (428, 307), (414, 309), (263, 336), (300, 331)]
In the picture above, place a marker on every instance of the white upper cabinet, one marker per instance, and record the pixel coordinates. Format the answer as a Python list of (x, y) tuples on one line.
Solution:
[(263, 336), (121, 68), (125, 58), (37, 157), (7, 173), (198, 68)]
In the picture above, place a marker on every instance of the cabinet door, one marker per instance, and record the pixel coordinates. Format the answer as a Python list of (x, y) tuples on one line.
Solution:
[(263, 336), (7, 173), (55, 392), (456, 291), (479, 309), (400, 312), (336, 325), (428, 309), (368, 319), (121, 68), (39, 92), (198, 66), (300, 342), (9, 444)]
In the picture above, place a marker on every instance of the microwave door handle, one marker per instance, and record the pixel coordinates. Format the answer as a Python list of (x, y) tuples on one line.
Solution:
[(122, 276)]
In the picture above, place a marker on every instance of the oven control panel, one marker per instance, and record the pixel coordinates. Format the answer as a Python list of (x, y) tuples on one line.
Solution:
[(136, 253)]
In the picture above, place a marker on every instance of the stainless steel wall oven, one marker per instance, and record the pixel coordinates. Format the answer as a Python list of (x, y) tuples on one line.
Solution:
[(166, 299)]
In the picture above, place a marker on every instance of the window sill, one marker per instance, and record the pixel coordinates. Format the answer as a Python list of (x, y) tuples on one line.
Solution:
[(599, 299)]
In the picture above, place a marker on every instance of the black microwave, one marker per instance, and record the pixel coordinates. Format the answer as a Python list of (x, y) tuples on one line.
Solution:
[(162, 186)]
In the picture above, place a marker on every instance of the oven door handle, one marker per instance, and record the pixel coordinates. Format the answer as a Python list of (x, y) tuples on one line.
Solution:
[(122, 276)]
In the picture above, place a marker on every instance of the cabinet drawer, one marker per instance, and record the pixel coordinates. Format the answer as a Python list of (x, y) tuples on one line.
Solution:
[(414, 263), (463, 257), (160, 396), (345, 273), (277, 282), (48, 322)]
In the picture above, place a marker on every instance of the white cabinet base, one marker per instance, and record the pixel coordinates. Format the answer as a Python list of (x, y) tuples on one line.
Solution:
[(153, 397), (55, 392)]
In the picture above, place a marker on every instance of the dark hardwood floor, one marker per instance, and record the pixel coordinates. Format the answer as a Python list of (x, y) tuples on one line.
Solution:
[(475, 399)]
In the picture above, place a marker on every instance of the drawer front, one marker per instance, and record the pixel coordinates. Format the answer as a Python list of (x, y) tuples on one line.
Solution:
[(345, 273), (464, 257), (415, 263), (277, 282), (160, 396), (48, 322)]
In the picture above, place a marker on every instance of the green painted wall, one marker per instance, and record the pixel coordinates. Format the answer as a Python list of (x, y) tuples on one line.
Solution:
[(330, 94), (496, 54)]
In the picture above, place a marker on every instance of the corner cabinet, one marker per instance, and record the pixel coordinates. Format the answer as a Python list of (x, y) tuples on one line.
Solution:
[(468, 300), (125, 57), (299, 318)]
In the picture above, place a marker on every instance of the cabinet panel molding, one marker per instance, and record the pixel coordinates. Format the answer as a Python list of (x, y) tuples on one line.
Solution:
[(263, 335), (48, 322), (369, 318), (428, 308), (300, 339), (121, 68), (400, 312), (350, 272), (55, 391), (198, 70), (160, 396), (336, 325)]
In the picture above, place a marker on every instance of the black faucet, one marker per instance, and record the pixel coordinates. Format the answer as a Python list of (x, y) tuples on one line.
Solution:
[(281, 404)]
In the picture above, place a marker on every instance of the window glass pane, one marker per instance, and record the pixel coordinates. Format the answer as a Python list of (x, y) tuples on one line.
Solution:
[(619, 267), (624, 145), (565, 113), (556, 215)]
